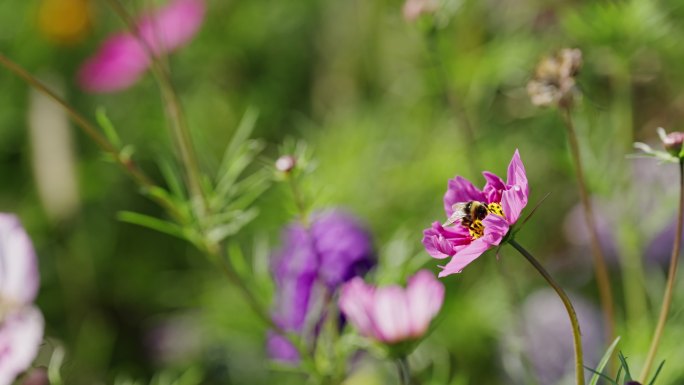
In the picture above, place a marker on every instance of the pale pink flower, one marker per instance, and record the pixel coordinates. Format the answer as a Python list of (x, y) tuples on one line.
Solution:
[(122, 59), (21, 324), (457, 241), (393, 314)]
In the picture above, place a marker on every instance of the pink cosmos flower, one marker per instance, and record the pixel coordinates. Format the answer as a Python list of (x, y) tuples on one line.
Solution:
[(122, 59), (504, 200), (393, 314), (21, 324)]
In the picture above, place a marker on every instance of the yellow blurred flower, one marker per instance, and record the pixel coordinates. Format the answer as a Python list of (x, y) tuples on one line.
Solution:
[(64, 21)]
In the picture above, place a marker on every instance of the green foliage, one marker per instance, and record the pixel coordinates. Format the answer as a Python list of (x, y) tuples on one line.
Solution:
[(381, 103)]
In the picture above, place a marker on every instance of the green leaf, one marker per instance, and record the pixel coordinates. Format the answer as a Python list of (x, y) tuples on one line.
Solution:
[(154, 223), (243, 132), (237, 166), (604, 361), (660, 367), (237, 259), (219, 233), (173, 181), (623, 361), (107, 127), (598, 375)]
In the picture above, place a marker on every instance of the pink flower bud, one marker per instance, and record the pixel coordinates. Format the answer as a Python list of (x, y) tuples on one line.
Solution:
[(285, 163), (673, 142)]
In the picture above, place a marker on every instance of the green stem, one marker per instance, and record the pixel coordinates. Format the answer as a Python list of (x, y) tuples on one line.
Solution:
[(600, 269), (179, 127), (669, 289), (298, 200), (576, 334), (404, 370), (126, 163)]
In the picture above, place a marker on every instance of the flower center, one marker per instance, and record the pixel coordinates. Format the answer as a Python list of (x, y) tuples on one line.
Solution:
[(476, 228)]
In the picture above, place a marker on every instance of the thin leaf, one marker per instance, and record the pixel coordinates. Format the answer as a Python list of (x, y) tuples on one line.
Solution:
[(157, 224), (237, 259), (598, 375), (238, 165), (604, 361), (660, 367), (522, 223), (623, 361), (219, 233), (243, 132), (172, 179), (107, 127)]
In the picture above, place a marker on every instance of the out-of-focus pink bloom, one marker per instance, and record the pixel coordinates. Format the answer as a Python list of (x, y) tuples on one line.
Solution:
[(122, 59), (21, 324), (457, 240), (393, 314), (413, 9)]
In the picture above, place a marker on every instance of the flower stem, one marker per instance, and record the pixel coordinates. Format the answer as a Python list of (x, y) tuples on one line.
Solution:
[(404, 370), (125, 161), (298, 200), (669, 289), (600, 269), (576, 334), (178, 124)]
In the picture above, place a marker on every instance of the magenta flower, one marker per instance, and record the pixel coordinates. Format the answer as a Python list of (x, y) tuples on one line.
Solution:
[(122, 59), (468, 232), (393, 314), (21, 324)]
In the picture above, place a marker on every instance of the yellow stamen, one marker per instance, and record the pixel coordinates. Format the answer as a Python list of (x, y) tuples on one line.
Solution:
[(476, 228)]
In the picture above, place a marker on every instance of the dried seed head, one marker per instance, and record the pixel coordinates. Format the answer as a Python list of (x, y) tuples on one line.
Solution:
[(554, 79)]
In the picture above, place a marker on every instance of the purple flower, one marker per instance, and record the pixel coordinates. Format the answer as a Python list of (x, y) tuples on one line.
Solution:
[(21, 324), (504, 201), (393, 314), (122, 59), (311, 265)]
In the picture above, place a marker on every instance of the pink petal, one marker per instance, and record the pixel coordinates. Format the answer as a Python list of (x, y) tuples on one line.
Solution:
[(19, 278), (356, 302), (425, 297), (119, 63), (21, 334), (391, 314), (442, 242), (172, 26), (517, 175), (496, 228), (493, 187), (460, 190), (513, 202), (465, 256)]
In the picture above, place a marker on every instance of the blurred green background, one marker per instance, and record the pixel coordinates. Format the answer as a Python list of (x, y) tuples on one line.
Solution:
[(366, 90)]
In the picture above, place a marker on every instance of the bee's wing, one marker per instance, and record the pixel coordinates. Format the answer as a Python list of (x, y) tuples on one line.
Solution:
[(458, 215)]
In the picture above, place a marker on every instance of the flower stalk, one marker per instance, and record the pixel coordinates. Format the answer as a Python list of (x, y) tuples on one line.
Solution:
[(178, 124), (669, 289), (124, 160), (576, 333), (403, 370), (600, 269)]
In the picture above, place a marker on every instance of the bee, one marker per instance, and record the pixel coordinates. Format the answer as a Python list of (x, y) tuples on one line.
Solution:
[(470, 214)]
